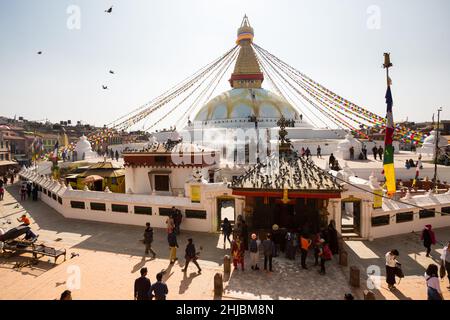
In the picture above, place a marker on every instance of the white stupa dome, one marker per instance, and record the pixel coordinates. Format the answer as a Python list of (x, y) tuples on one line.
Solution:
[(429, 143), (241, 103), (83, 146)]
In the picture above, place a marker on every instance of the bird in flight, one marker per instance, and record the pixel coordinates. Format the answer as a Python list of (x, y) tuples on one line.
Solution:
[(105, 87), (39, 52), (109, 10), (110, 71)]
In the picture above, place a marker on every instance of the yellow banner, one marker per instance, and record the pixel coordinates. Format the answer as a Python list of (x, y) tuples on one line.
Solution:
[(377, 199), (389, 173), (195, 194)]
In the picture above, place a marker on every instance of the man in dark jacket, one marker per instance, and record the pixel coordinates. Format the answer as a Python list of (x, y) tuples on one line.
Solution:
[(331, 160), (375, 151), (380, 152), (142, 286), (159, 289), (148, 239), (268, 249), (191, 255)]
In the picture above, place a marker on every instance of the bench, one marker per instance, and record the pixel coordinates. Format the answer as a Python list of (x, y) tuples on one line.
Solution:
[(43, 250)]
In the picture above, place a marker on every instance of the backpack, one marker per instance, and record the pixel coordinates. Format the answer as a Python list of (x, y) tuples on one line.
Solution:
[(327, 254)]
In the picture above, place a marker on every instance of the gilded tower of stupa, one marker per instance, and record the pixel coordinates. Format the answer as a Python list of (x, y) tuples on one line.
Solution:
[(247, 73)]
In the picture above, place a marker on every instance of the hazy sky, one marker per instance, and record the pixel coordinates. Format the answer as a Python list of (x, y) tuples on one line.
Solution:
[(151, 45)]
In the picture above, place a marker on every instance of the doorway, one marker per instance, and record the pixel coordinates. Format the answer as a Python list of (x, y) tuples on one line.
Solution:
[(225, 209), (351, 217)]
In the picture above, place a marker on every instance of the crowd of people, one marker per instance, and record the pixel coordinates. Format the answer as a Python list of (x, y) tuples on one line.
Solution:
[(323, 245)]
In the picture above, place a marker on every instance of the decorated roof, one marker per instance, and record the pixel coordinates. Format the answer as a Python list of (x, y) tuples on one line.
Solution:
[(289, 172)]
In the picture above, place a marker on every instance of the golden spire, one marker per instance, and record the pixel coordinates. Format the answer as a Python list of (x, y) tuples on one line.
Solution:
[(247, 73)]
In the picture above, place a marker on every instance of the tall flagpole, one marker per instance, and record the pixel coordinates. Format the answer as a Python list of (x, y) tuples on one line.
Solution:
[(388, 159)]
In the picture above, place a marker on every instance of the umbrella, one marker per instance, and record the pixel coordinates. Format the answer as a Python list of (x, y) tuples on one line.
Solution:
[(92, 178)]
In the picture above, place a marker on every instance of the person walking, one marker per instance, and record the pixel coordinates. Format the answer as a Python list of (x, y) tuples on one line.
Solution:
[(237, 252), (375, 151), (428, 237), (317, 247), (28, 189), (159, 289), (148, 239), (2, 192), (445, 257), (432, 279), (226, 231), (391, 266), (254, 252), (305, 243), (307, 152), (319, 152), (331, 160), (352, 153), (364, 151), (23, 192), (268, 249), (173, 245), (142, 286), (332, 237), (380, 152), (191, 255), (117, 155), (325, 255)]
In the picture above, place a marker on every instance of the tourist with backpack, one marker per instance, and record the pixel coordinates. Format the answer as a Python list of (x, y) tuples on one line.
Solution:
[(428, 238), (325, 255)]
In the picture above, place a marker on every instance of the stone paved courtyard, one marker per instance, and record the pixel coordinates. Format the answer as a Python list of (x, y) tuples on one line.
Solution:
[(110, 256)]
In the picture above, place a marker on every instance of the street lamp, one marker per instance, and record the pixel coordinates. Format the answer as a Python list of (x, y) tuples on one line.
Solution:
[(436, 149)]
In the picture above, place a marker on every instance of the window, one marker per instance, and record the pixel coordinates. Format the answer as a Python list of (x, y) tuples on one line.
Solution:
[(445, 211), (54, 196), (119, 208), (427, 213), (49, 194), (7, 156), (1, 157), (97, 206), (143, 210), (161, 182), (77, 204), (45, 191), (60, 200), (165, 211), (196, 214), (380, 221), (404, 216)]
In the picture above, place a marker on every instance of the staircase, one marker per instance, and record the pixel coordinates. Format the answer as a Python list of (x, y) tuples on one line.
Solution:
[(348, 232)]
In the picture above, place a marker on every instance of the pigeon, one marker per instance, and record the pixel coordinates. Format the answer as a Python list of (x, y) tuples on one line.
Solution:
[(105, 87), (39, 52), (109, 10), (110, 71), (73, 255)]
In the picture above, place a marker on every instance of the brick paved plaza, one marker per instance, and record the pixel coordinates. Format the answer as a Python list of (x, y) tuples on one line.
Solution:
[(110, 256)]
